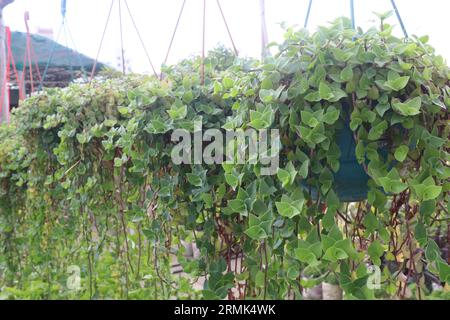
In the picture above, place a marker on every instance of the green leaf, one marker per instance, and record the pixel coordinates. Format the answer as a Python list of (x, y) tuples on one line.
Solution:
[(444, 271), (333, 200), (117, 162), (305, 255), (381, 108), (284, 177), (427, 208), (313, 96), (341, 55), (267, 84), (332, 115), (259, 124), (347, 246), (158, 126), (392, 183), (334, 254), (347, 73), (304, 168), (328, 219), (397, 84), (259, 207), (260, 279), (325, 91), (316, 249), (309, 119), (177, 112), (432, 252), (287, 176), (375, 251), (426, 193), (270, 95), (360, 152), (371, 222), (207, 199), (217, 88), (194, 179), (188, 97), (237, 205), (427, 190), (401, 152), (338, 94), (287, 210), (259, 120), (256, 233), (431, 192), (420, 233), (228, 83), (384, 15), (408, 108), (377, 131), (232, 180)]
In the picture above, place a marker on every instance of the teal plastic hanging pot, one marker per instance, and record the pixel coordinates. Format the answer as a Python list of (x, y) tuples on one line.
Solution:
[(350, 182)]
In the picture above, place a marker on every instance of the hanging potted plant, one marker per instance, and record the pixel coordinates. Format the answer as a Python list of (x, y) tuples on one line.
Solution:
[(363, 118), (358, 106), (360, 115)]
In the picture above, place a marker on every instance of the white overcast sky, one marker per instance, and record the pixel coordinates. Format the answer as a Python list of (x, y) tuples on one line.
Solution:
[(156, 20)]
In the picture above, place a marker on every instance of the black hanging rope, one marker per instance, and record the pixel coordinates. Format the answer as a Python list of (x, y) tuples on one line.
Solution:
[(202, 71), (47, 65), (101, 41), (397, 13), (307, 14), (140, 39), (122, 50), (226, 26), (174, 32), (69, 33)]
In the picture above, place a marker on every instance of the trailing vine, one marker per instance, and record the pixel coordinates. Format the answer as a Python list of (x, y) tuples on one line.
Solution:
[(87, 178)]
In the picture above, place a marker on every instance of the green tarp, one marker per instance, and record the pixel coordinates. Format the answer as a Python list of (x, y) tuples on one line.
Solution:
[(62, 56)]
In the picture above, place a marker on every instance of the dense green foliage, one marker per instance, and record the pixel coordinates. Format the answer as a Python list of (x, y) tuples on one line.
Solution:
[(86, 177)]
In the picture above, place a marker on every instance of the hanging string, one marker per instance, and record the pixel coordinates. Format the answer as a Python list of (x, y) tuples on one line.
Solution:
[(50, 58), (69, 33), (63, 28), (203, 44), (264, 36), (121, 38), (307, 14), (140, 38), (94, 67), (397, 13), (36, 64), (174, 32), (69, 58), (67, 37), (226, 26)]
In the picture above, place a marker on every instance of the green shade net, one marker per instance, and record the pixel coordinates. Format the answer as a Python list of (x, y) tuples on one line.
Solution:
[(62, 56)]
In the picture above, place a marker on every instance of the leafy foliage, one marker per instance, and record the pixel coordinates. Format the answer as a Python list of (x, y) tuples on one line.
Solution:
[(86, 176)]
